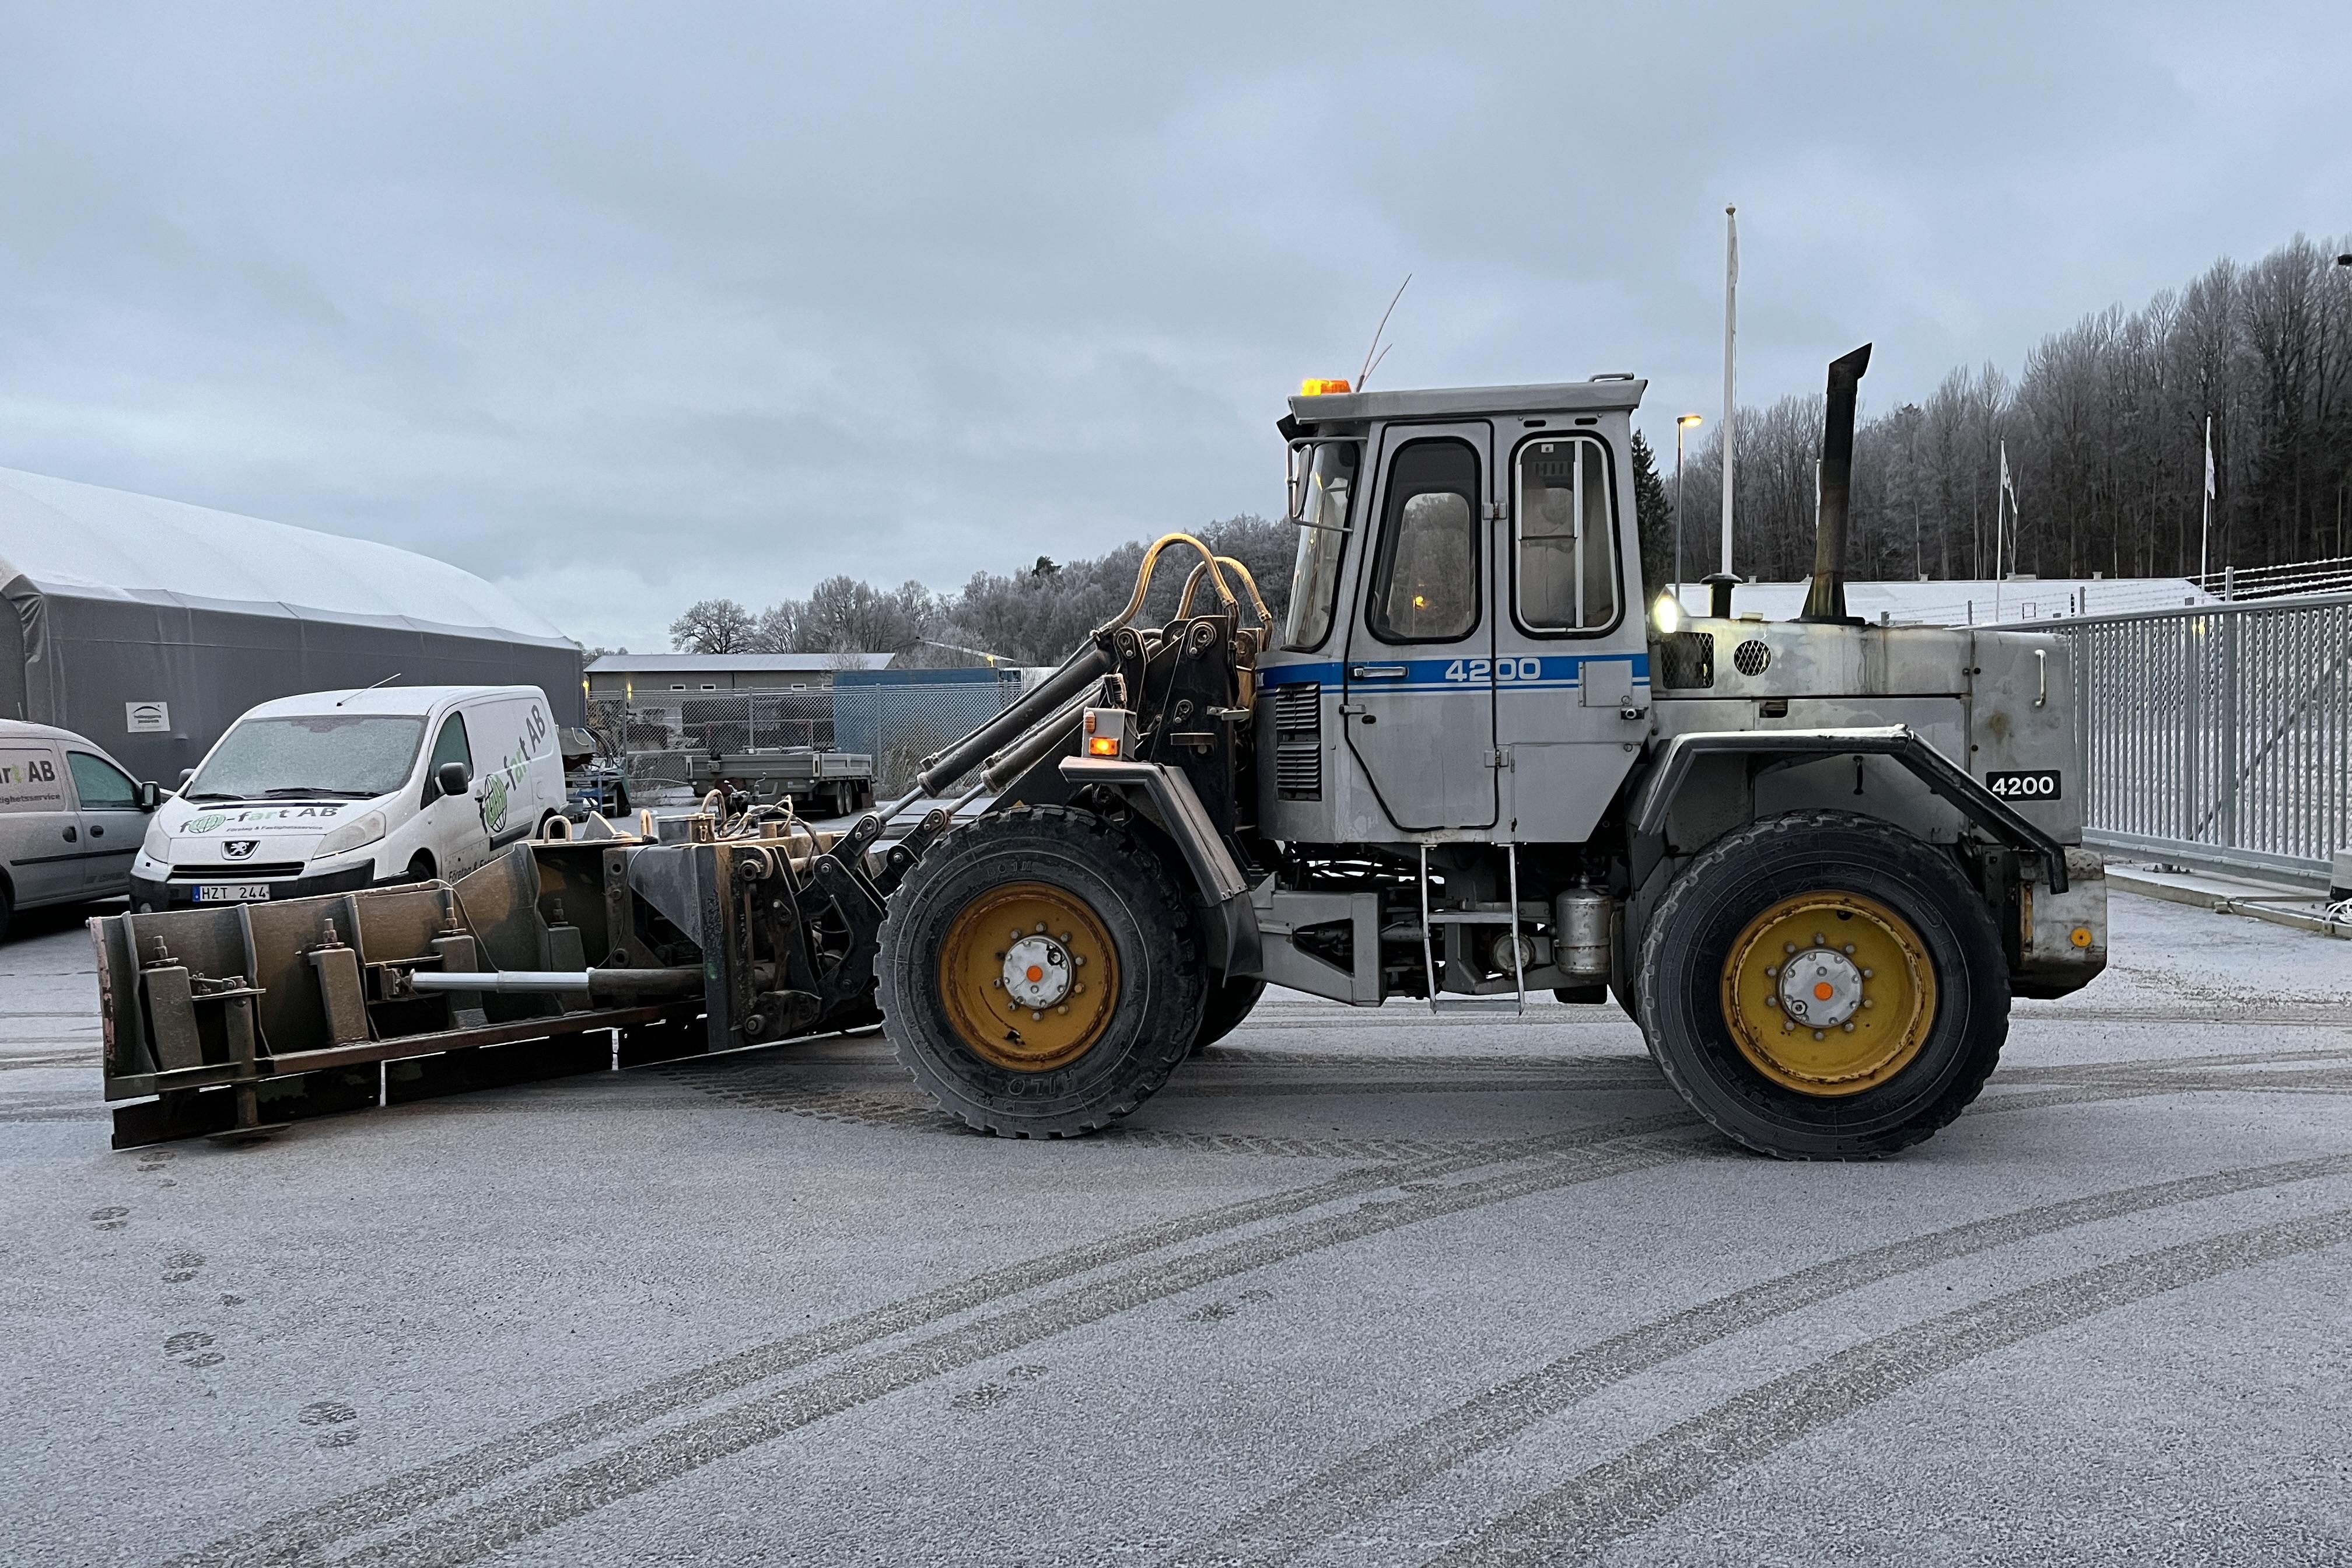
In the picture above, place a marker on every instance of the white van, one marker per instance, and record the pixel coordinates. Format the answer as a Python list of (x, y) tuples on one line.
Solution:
[(337, 790), (70, 819)]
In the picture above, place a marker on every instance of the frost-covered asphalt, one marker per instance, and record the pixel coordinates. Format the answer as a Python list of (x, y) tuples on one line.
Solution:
[(1358, 1288)]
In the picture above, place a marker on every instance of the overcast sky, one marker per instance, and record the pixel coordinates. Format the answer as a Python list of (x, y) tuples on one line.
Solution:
[(622, 308)]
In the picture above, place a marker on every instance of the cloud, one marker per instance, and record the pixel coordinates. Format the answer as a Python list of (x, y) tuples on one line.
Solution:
[(624, 307)]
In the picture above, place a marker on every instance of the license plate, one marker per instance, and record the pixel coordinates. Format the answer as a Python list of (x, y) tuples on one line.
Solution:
[(2038, 783), (231, 892)]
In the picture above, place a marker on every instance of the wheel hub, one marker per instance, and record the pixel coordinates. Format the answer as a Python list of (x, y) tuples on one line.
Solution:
[(1037, 972), (1829, 993), (1821, 988)]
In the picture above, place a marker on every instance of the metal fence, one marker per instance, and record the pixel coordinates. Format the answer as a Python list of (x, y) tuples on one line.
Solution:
[(2221, 733), (897, 724)]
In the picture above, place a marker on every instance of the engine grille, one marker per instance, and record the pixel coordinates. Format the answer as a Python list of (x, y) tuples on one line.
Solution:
[(234, 871), (1298, 741), (1687, 661)]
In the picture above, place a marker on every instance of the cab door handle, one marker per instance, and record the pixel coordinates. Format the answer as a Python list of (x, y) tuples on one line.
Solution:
[(1376, 672), (96, 831), (72, 837)]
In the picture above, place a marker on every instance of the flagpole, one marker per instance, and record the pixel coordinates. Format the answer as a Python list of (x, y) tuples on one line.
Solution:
[(1999, 485), (2205, 530), (1730, 338)]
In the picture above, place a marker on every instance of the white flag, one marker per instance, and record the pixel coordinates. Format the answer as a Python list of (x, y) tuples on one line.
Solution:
[(2006, 488), (2209, 491)]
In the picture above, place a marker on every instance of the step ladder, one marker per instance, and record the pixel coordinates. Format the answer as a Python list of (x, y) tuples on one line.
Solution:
[(1517, 1001)]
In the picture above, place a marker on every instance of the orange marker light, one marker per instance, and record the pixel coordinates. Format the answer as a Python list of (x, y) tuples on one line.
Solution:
[(1036, 973), (1824, 990), (1102, 745), (1322, 386)]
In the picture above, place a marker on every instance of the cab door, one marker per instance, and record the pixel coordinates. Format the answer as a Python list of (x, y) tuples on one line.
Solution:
[(455, 831), (1419, 673), (1571, 653)]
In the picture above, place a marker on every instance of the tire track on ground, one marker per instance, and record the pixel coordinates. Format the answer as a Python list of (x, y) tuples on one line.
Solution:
[(551, 1501), (298, 1536), (1375, 1476), (1577, 1519)]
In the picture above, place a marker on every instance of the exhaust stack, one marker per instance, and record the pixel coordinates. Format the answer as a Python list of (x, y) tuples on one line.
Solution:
[(1826, 600)]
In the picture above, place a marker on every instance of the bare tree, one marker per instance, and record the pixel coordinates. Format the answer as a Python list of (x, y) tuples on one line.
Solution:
[(713, 625)]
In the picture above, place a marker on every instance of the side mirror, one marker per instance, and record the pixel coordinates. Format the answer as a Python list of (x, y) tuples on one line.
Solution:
[(185, 774), (453, 777), (151, 796)]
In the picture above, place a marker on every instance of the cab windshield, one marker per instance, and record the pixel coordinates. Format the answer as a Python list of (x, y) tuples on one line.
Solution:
[(345, 756), (1326, 506)]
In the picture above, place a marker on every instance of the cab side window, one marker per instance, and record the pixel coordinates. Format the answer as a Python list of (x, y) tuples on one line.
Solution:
[(1567, 569), (1425, 585), (101, 785), (451, 746)]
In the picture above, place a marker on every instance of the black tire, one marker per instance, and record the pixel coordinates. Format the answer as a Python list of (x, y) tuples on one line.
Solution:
[(1228, 1002), (420, 868), (7, 908), (1691, 943), (1148, 1018)]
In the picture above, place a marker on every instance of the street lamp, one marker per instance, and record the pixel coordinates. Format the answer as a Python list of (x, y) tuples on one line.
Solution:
[(1681, 425)]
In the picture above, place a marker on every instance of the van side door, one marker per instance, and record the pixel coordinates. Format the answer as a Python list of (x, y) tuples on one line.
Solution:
[(1571, 651), (509, 732), (40, 836), (1419, 713), (112, 823)]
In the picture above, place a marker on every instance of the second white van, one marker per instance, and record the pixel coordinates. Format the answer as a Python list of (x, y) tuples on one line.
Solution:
[(339, 790)]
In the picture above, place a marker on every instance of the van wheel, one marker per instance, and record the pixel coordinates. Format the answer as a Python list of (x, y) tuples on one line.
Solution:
[(420, 868), (1038, 972), (1824, 986), (7, 908)]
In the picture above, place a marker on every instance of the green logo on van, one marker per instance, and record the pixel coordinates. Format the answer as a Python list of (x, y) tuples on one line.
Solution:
[(204, 823)]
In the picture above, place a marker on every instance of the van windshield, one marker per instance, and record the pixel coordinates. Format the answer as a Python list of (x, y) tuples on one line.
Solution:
[(347, 756)]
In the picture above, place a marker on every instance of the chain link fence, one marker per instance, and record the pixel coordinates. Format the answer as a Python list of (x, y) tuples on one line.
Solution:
[(2221, 733), (892, 717)]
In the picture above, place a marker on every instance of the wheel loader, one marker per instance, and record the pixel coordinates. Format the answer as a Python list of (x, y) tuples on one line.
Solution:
[(1476, 761)]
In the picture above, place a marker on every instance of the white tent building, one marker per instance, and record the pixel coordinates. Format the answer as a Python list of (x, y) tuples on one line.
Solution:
[(149, 624)]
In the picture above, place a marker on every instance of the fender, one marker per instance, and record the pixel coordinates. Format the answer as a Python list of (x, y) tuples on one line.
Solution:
[(1929, 766), (1165, 796)]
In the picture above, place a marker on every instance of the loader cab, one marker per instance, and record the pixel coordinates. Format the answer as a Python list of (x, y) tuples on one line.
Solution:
[(1464, 654)]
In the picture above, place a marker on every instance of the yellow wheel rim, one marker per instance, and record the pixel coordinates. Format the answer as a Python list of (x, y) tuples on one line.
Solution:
[(1829, 994), (1029, 976)]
